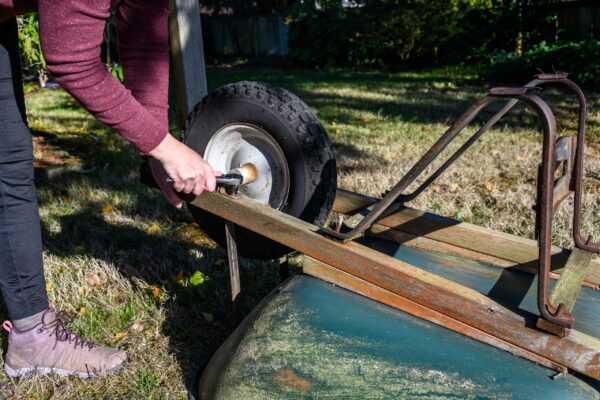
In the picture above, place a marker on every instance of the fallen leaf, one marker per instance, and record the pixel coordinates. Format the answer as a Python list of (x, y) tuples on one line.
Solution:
[(154, 228), (107, 208), (137, 328), (287, 378), (80, 249), (93, 280), (82, 310), (197, 279), (156, 292), (489, 186), (453, 187), (119, 336), (48, 287)]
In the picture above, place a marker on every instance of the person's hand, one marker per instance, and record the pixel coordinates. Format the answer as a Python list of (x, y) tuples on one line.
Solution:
[(189, 172)]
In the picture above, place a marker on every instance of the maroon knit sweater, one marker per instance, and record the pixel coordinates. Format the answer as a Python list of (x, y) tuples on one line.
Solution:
[(71, 33)]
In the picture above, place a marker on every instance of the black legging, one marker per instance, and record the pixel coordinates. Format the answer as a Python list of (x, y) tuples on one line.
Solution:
[(21, 270)]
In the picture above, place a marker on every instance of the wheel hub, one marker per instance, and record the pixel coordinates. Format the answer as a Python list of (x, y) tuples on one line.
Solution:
[(238, 144)]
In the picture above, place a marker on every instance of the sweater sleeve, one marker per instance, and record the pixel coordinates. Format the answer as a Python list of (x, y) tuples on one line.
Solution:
[(71, 33), (143, 36)]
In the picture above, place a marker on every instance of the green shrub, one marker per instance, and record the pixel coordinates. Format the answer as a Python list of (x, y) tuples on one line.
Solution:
[(32, 58), (400, 33), (580, 59), (31, 49)]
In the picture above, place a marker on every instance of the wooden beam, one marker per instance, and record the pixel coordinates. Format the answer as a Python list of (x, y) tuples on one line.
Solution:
[(187, 51), (332, 275), (450, 236), (577, 352), (568, 287)]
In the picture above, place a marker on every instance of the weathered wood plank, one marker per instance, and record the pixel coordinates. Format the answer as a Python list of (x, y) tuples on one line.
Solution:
[(431, 291), (497, 246), (333, 275), (188, 55), (568, 286)]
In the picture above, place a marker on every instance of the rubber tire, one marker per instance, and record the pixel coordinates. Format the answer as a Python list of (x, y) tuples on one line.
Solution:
[(301, 136)]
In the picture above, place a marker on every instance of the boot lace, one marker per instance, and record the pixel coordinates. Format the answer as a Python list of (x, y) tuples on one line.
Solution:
[(58, 329)]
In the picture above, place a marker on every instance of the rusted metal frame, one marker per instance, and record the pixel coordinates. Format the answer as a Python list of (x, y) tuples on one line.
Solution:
[(395, 195), (557, 315), (565, 150), (577, 352), (546, 206), (334, 276), (488, 125), (577, 182), (388, 203), (405, 198)]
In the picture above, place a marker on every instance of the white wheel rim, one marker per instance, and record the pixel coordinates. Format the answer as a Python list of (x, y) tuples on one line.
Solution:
[(240, 143)]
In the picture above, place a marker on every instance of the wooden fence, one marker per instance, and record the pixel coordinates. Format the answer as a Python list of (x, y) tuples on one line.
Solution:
[(245, 36), (578, 20)]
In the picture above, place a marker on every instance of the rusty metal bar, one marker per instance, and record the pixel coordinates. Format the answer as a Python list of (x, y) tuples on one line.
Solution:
[(389, 199), (488, 125), (580, 241), (557, 315)]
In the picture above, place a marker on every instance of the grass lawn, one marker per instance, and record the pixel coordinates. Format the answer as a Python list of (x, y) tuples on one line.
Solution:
[(135, 273)]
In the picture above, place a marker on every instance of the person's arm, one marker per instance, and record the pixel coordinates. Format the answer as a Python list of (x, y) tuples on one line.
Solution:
[(143, 40), (71, 33)]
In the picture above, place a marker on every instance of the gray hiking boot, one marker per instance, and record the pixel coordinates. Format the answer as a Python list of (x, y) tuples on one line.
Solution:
[(51, 347)]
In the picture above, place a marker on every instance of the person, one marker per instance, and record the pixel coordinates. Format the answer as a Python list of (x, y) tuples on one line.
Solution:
[(71, 33)]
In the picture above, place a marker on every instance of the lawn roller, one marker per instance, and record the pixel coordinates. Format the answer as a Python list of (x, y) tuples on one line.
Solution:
[(430, 272)]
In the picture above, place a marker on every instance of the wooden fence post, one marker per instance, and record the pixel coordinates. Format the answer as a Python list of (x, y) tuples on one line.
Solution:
[(187, 51)]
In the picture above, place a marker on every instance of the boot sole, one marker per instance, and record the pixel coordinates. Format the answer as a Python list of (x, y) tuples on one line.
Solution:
[(21, 372)]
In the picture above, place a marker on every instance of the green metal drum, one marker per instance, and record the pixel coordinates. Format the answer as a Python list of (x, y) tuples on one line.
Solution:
[(313, 340)]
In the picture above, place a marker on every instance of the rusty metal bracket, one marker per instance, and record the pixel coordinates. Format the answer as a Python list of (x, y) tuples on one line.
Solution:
[(564, 153)]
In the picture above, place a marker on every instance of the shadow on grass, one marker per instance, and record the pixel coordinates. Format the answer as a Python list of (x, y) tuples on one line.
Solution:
[(198, 318)]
